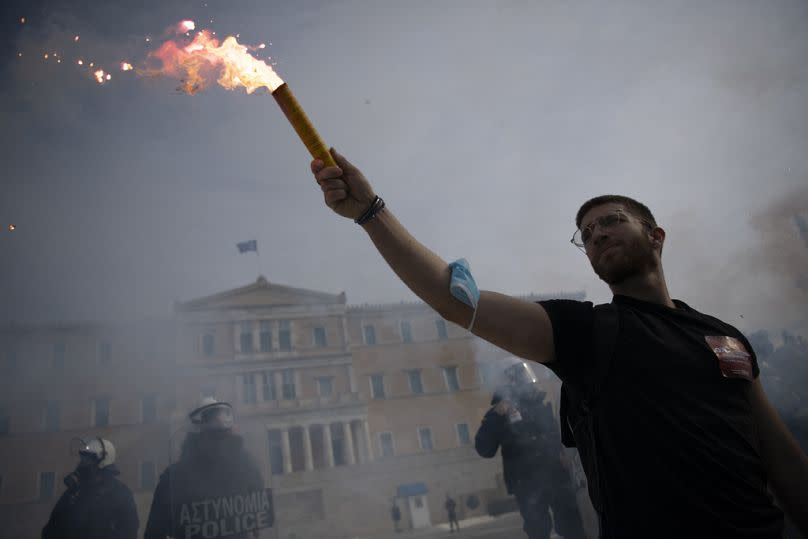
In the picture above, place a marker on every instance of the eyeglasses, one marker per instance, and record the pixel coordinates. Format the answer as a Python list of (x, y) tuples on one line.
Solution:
[(582, 236)]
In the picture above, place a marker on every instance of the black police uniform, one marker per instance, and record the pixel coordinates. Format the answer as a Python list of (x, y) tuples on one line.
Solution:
[(678, 450), (98, 507), (531, 448), (212, 466)]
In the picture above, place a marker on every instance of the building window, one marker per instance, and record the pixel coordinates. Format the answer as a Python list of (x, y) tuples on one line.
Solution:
[(147, 475), (440, 325), (246, 338), (275, 452), (5, 423), (406, 331), (104, 353), (59, 357), (463, 434), (288, 384), (319, 337), (377, 386), (268, 386), (425, 438), (208, 344), (46, 483), (265, 336), (248, 388), (285, 335), (52, 415), (370, 334), (325, 386), (450, 375), (101, 412), (149, 409), (416, 385), (386, 444)]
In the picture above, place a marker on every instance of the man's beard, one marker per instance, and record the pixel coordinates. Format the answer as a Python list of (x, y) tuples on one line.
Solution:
[(631, 260)]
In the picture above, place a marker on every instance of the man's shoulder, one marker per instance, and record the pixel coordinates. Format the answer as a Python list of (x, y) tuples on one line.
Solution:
[(714, 320), (567, 309)]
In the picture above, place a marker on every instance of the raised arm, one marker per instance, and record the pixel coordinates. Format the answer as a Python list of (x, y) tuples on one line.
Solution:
[(520, 327)]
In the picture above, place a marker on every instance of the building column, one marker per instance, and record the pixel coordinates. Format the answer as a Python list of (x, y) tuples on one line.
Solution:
[(256, 336), (368, 442), (351, 379), (329, 446), (287, 451), (307, 456), (348, 443)]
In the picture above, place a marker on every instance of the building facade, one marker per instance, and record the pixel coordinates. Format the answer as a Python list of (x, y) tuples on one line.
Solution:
[(346, 409)]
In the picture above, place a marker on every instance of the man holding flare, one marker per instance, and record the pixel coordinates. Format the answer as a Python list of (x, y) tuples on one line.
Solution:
[(679, 437)]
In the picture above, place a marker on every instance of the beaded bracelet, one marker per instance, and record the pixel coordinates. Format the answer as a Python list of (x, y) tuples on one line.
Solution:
[(375, 207)]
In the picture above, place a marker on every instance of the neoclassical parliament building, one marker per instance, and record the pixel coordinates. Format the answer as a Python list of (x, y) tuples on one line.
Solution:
[(346, 409)]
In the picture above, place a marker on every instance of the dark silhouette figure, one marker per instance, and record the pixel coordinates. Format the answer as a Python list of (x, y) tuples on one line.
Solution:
[(524, 427), (96, 505)]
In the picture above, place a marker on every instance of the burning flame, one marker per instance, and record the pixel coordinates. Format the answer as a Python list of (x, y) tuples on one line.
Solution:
[(12, 227), (99, 76), (185, 26), (126, 66), (205, 57)]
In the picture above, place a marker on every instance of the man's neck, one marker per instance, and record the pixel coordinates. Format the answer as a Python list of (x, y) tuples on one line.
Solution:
[(650, 287)]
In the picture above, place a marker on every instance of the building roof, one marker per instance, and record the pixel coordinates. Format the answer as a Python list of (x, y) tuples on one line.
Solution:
[(260, 293)]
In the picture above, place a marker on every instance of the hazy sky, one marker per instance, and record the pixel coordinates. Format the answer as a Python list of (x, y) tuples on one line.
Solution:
[(484, 125)]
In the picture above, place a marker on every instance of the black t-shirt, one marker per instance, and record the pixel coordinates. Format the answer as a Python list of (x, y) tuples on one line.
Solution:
[(679, 451)]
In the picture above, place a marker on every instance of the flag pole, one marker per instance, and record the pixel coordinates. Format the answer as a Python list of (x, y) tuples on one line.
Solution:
[(258, 258)]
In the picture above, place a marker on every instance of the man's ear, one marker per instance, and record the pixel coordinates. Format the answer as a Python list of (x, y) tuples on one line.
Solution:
[(658, 237)]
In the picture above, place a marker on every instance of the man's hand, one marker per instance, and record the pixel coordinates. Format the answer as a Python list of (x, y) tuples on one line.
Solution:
[(503, 407), (345, 188)]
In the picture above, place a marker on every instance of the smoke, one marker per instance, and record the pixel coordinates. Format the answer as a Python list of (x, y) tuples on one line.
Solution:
[(802, 226), (783, 252)]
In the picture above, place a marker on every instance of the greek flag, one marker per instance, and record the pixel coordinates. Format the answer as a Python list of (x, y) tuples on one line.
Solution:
[(247, 246)]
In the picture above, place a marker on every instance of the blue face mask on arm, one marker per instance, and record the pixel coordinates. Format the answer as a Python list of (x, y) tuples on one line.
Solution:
[(463, 287)]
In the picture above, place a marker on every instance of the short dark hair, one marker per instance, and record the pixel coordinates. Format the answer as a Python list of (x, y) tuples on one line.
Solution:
[(636, 208)]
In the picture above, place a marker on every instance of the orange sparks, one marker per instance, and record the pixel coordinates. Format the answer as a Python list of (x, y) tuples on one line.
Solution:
[(99, 76), (196, 63), (46, 56), (262, 46), (108, 76), (76, 38), (12, 227), (80, 62), (125, 66)]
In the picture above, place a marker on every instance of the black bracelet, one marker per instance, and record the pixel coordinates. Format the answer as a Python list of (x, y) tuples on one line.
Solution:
[(375, 207)]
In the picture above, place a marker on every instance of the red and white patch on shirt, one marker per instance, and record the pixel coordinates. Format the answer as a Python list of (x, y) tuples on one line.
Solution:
[(733, 358)]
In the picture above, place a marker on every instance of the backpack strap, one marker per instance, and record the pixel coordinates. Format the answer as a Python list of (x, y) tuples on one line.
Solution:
[(578, 403), (605, 328)]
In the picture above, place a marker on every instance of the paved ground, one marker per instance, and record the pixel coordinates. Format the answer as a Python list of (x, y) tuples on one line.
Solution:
[(507, 526)]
